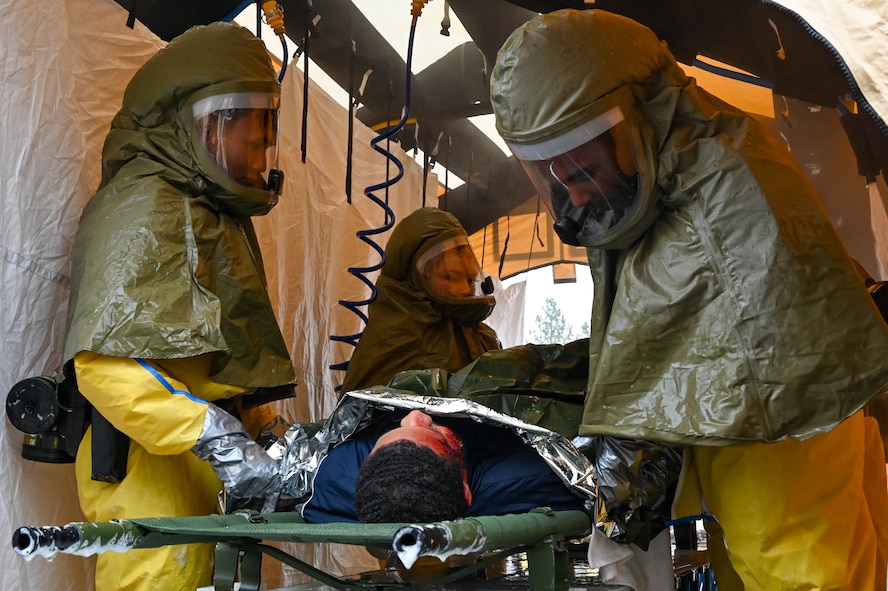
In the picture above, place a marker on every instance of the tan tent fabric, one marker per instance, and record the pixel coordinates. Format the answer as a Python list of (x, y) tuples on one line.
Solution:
[(857, 31), (518, 243)]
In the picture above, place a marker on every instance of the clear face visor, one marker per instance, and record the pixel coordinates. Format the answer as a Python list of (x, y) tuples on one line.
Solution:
[(239, 131), (450, 271), (587, 177)]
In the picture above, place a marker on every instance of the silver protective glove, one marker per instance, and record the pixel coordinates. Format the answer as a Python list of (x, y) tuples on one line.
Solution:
[(241, 464)]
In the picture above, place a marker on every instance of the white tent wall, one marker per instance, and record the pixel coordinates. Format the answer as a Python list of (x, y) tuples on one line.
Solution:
[(63, 72)]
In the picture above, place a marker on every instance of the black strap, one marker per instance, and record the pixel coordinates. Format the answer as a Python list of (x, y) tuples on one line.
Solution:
[(131, 19)]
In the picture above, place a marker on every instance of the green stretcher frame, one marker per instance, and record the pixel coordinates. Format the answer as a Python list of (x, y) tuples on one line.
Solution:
[(541, 533)]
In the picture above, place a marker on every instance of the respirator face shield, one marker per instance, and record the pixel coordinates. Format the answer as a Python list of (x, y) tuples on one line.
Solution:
[(587, 177), (449, 270), (239, 133), (450, 274)]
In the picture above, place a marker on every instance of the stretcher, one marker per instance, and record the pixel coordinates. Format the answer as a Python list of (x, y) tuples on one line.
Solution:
[(242, 539)]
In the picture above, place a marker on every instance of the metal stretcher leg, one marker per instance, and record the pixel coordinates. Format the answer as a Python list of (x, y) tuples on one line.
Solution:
[(234, 558), (547, 566)]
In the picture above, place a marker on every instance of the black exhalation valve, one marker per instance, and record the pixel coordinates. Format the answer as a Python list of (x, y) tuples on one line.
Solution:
[(566, 229), (275, 181), (487, 285)]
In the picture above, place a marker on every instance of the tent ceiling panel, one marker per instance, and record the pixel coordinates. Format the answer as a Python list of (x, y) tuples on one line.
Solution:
[(761, 38)]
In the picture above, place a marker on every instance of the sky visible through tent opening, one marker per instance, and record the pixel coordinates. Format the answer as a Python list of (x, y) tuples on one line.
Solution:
[(573, 299)]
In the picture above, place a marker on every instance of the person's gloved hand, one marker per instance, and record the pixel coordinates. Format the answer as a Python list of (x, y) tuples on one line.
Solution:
[(240, 463)]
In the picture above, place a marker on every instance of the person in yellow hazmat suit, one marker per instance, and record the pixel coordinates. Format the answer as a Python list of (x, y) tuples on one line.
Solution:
[(170, 326), (727, 316), (432, 299)]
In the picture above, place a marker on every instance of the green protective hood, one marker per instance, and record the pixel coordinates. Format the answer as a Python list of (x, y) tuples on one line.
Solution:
[(549, 74), (166, 263), (414, 235), (737, 315), (574, 52), (408, 328)]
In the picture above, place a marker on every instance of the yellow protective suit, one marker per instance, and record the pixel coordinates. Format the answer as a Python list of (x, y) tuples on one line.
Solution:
[(167, 271), (794, 514), (163, 477), (727, 315)]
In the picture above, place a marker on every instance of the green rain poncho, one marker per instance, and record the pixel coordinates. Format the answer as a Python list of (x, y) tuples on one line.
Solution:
[(726, 309), (408, 328), (166, 263)]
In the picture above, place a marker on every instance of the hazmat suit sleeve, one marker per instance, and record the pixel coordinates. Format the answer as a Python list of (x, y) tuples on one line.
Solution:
[(157, 405), (148, 403)]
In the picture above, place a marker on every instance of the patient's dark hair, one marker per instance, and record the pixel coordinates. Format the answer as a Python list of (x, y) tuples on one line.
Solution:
[(406, 482)]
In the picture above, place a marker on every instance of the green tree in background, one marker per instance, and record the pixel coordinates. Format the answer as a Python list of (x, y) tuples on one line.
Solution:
[(552, 326)]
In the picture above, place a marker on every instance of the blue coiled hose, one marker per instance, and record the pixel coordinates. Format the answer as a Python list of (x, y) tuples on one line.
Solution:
[(368, 235)]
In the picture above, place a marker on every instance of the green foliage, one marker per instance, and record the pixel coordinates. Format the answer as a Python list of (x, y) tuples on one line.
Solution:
[(552, 326)]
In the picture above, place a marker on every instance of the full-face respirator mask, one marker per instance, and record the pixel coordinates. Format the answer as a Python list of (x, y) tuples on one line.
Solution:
[(449, 272), (237, 141), (587, 177)]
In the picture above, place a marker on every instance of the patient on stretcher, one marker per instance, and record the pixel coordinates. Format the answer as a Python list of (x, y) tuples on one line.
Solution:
[(506, 430), (505, 422), (413, 468)]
